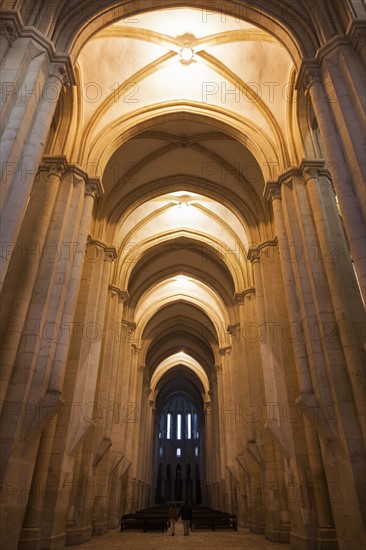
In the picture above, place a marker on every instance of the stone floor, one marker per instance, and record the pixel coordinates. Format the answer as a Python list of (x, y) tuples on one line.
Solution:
[(199, 540)]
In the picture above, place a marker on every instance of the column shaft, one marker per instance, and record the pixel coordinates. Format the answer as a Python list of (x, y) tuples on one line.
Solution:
[(25, 264), (59, 365), (21, 184), (302, 367), (350, 208)]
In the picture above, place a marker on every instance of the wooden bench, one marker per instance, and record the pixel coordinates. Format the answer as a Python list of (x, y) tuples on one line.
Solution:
[(153, 522), (209, 521)]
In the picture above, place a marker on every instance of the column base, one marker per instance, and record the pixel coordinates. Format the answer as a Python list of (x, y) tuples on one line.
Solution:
[(257, 529), (281, 535), (30, 539), (326, 539), (56, 542), (114, 523), (78, 535), (302, 542), (100, 528)]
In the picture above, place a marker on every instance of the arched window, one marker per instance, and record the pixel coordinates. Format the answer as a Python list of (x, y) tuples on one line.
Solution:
[(179, 451), (179, 426), (196, 451), (169, 426), (195, 426), (189, 425)]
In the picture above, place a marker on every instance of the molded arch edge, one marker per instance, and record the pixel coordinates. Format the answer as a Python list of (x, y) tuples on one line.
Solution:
[(286, 21)]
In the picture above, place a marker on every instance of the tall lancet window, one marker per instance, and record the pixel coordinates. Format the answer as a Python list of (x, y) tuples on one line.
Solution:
[(189, 426), (179, 426), (169, 426)]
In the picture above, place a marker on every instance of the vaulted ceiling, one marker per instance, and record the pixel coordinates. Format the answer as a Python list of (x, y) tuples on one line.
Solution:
[(184, 114)]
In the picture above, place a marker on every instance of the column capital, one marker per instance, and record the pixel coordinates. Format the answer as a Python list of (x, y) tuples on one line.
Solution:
[(62, 68), (232, 329), (253, 255), (356, 34), (95, 242), (54, 165), (12, 27), (309, 74), (312, 168), (135, 348), (287, 178), (114, 289), (61, 62), (207, 407), (94, 187), (110, 254), (226, 350), (331, 48), (11, 24), (239, 296), (272, 191), (58, 70), (122, 294), (130, 325)]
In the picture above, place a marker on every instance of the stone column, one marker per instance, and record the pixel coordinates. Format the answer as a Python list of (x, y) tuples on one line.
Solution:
[(122, 381), (144, 458), (227, 436), (261, 452), (89, 359), (289, 464), (112, 422), (265, 347), (70, 266), (128, 411), (31, 533), (326, 527), (10, 28), (310, 78), (249, 390), (92, 190), (337, 272), (105, 406), (45, 305), (344, 81), (331, 403), (251, 411), (20, 183), (46, 309), (356, 32), (115, 364), (25, 262), (49, 294), (273, 192), (210, 474), (216, 419), (228, 428), (148, 457), (133, 422), (82, 433)]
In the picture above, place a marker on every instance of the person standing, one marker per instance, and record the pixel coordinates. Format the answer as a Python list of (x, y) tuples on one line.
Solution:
[(172, 515), (186, 513)]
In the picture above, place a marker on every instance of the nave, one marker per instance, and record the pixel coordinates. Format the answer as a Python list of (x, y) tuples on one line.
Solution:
[(203, 540), (183, 272)]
